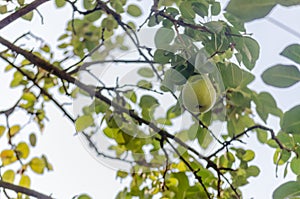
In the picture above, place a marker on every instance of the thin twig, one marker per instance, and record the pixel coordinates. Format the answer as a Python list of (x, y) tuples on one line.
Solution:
[(236, 137)]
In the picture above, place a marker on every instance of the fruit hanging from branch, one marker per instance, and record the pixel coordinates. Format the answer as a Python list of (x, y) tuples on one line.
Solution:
[(198, 94)]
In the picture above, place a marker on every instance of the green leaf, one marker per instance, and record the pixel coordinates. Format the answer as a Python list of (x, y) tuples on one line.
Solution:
[(37, 165), (216, 8), (122, 174), (236, 22), (262, 136), (186, 10), (17, 80), (32, 139), (249, 49), (8, 68), (28, 16), (280, 157), (163, 37), (146, 72), (161, 56), (288, 2), (131, 96), (253, 171), (183, 183), (287, 190), (250, 10), (295, 165), (239, 99), (174, 111), (248, 156), (88, 4), (3, 9), (25, 181), (84, 196), (168, 84), (117, 5), (286, 139), (265, 105), (272, 143), (147, 101), (46, 48), (60, 3), (236, 126), (154, 20), (94, 16), (21, 2), (134, 10), (175, 77), (292, 52), (111, 132), (290, 122), (99, 106), (30, 98), (204, 138), (84, 122), (8, 176), (48, 165), (200, 8), (215, 26), (281, 76), (144, 84), (234, 77)]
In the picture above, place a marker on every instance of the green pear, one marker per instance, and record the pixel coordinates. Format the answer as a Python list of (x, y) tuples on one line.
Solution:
[(198, 94)]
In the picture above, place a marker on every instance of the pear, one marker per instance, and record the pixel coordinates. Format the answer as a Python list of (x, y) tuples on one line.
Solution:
[(198, 94)]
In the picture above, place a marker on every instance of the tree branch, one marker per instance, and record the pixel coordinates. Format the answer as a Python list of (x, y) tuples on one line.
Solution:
[(19, 189), (199, 178), (236, 137), (91, 90), (19, 13), (44, 92), (87, 64)]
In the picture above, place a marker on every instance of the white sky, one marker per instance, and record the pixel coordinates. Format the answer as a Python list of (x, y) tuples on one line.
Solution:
[(75, 171)]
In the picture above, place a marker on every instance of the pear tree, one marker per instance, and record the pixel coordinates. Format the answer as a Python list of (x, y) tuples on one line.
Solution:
[(161, 91)]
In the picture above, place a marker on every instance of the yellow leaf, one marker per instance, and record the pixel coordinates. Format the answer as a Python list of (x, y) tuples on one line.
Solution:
[(181, 166), (25, 181), (23, 150), (8, 157), (14, 130), (37, 165), (9, 176), (83, 122), (2, 129)]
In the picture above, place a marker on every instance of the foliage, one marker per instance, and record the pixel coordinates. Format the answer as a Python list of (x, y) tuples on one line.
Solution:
[(192, 37)]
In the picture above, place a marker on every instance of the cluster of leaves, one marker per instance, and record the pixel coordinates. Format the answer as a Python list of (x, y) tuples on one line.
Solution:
[(281, 76), (165, 161), (15, 5), (180, 59), (32, 103)]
